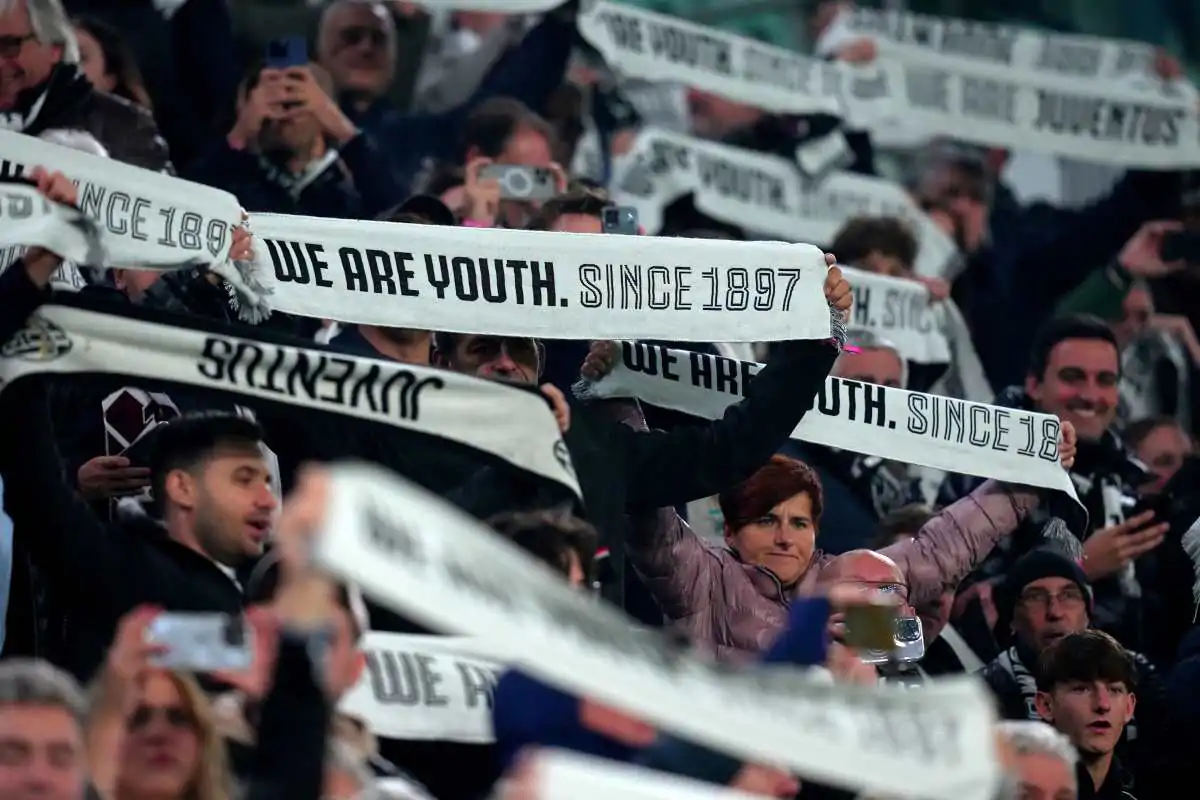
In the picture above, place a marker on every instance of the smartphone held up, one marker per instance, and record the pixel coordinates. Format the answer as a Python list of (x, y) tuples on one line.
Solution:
[(202, 642)]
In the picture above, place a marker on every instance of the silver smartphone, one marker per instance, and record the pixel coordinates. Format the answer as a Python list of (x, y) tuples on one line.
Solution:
[(519, 182), (202, 642), (909, 644)]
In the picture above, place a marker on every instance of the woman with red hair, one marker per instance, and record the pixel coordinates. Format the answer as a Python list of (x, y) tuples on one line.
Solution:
[(731, 599)]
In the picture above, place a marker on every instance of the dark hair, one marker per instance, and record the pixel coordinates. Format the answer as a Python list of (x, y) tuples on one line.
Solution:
[(579, 200), (861, 236), (1136, 432), (445, 342), (265, 579), (493, 123), (1060, 329), (185, 442), (1089, 655), (550, 537), (119, 60), (907, 519), (441, 177), (776, 481)]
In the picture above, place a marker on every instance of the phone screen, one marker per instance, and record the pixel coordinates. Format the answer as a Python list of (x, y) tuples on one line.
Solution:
[(871, 627), (620, 220), (285, 52)]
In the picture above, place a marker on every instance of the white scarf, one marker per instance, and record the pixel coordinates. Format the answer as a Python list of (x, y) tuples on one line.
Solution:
[(1075, 96), (1006, 444), (427, 688), (468, 280), (764, 194), (508, 423), (423, 558)]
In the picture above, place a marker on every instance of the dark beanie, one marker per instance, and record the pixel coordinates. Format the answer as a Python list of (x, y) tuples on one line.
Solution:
[(1043, 562)]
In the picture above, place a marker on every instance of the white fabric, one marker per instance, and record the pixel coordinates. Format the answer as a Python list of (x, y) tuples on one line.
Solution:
[(469, 280), (497, 6), (565, 775), (763, 194), (659, 47), (899, 311), (426, 688), (415, 553), (940, 432), (1076, 96), (511, 424)]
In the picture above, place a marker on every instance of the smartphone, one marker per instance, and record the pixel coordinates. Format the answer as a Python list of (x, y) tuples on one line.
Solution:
[(201, 642), (870, 626), (907, 645), (287, 51), (620, 219), (1181, 246), (519, 182)]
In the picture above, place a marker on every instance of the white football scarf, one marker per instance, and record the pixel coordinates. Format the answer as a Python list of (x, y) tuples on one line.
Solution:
[(427, 688), (939, 432), (1080, 97), (468, 280), (508, 423), (566, 775), (764, 194), (423, 558), (493, 6)]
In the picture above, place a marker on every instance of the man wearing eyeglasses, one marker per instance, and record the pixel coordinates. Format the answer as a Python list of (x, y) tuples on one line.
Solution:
[(1045, 597), (42, 88)]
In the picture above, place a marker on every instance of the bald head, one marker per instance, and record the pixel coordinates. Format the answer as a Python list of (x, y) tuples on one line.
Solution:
[(862, 566)]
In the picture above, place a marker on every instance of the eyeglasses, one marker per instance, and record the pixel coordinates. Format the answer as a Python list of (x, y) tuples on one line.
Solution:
[(1041, 599), (10, 46), (354, 36), (174, 716)]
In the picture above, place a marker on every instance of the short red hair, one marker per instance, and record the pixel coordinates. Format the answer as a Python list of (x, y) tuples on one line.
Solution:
[(774, 482)]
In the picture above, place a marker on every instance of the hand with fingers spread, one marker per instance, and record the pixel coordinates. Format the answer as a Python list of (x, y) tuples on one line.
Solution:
[(483, 195), (600, 360), (1067, 445), (1142, 255), (558, 403), (105, 477), (1108, 550), (837, 288), (128, 661), (39, 262)]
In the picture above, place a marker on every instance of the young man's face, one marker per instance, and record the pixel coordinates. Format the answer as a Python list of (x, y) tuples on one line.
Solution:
[(1079, 385), (1092, 714)]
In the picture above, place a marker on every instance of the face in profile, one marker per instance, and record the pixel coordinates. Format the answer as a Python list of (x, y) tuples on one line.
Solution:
[(162, 751), (41, 754), (782, 540)]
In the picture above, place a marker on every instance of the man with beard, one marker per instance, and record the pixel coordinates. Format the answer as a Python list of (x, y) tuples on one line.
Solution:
[(41, 87), (285, 151), (212, 510), (1074, 373)]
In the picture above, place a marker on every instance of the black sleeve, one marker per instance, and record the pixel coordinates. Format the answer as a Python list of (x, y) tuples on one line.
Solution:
[(289, 760), (664, 468), (19, 297), (59, 529)]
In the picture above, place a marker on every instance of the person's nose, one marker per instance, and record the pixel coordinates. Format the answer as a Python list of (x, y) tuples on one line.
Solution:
[(1101, 700), (784, 538), (266, 499), (503, 365)]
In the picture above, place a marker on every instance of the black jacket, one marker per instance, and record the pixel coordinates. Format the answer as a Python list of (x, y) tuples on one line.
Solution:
[(1118, 784)]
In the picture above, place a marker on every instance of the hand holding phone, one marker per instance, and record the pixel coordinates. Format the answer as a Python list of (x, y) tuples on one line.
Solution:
[(520, 182), (286, 52), (201, 642)]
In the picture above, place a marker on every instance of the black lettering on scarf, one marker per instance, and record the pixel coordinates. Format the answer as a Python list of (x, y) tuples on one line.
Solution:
[(478, 682), (626, 32), (990, 100), (493, 280), (927, 88), (633, 287), (747, 184), (296, 262), (863, 402), (123, 214), (386, 390), (378, 271), (717, 373), (693, 49), (1107, 120), (1067, 57), (978, 41), (907, 311), (407, 679), (959, 422), (782, 70)]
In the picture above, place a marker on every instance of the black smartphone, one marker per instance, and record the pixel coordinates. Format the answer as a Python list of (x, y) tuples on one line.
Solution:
[(1181, 246), (620, 219), (287, 51)]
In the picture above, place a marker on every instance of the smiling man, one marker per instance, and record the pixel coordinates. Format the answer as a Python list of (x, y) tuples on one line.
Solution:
[(1086, 683)]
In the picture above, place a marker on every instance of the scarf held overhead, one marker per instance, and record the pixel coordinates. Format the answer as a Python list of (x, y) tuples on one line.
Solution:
[(509, 424), (413, 552), (468, 280), (928, 430)]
